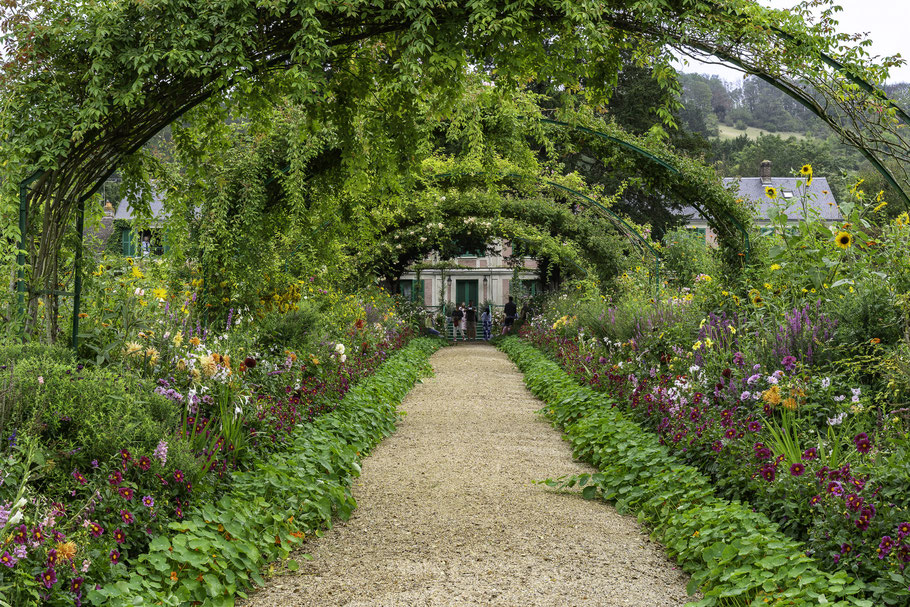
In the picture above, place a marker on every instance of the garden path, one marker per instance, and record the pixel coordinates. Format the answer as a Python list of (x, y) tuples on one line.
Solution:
[(448, 513)]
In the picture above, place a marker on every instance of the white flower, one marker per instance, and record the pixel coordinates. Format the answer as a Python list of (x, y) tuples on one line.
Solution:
[(771, 379), (839, 399), (343, 358), (694, 369), (826, 382), (139, 292), (339, 348), (856, 392), (15, 518)]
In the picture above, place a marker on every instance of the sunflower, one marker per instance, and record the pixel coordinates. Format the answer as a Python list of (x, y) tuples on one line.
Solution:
[(806, 170), (844, 240), (758, 300), (771, 192)]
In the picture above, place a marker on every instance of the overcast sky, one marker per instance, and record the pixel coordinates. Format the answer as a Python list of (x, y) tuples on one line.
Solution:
[(886, 22)]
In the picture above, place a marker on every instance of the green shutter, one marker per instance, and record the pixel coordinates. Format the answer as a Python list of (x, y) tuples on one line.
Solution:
[(125, 236)]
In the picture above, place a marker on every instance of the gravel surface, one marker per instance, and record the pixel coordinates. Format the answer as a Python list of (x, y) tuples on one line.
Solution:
[(448, 513)]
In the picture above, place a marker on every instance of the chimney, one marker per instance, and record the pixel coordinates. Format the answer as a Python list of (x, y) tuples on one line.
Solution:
[(765, 173)]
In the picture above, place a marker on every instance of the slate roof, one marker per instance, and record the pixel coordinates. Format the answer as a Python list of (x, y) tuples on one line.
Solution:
[(124, 211), (820, 197)]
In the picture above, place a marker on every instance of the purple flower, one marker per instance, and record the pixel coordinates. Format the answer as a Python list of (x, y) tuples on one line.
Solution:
[(810, 453), (148, 501), (95, 529), (76, 585), (115, 557), (161, 452), (119, 536), (903, 530), (48, 578), (863, 445), (126, 516), (79, 478), (8, 559), (768, 472), (885, 546), (835, 488), (738, 359), (797, 469), (754, 426), (788, 363), (126, 493)]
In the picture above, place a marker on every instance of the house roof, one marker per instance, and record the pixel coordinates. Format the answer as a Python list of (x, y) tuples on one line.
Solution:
[(125, 211), (818, 196)]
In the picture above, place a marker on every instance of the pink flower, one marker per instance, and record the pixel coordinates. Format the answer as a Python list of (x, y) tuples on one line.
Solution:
[(126, 516)]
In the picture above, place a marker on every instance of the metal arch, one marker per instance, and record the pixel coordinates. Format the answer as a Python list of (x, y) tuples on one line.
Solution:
[(612, 216), (525, 240), (616, 140), (647, 155)]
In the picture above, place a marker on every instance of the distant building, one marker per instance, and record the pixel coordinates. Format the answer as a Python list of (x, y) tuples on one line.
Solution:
[(479, 278), (819, 198), (118, 233)]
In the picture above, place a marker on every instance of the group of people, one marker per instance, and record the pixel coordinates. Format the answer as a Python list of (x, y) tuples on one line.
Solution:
[(464, 320)]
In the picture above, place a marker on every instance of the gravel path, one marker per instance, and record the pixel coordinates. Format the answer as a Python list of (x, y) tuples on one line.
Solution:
[(448, 513)]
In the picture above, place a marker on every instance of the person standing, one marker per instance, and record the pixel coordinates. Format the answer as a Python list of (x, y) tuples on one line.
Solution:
[(457, 319), (470, 315), (511, 311), (487, 320)]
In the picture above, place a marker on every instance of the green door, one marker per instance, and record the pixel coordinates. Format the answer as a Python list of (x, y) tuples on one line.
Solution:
[(466, 291)]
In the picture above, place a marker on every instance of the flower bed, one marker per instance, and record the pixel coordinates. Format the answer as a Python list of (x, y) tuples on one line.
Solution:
[(179, 415), (842, 492), (730, 550), (218, 548)]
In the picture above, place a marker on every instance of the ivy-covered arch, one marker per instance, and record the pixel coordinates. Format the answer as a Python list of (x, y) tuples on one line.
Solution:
[(89, 83)]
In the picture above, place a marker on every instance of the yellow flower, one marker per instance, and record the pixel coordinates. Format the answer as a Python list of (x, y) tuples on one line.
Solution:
[(843, 240), (903, 219), (159, 293), (696, 346), (66, 551), (775, 267), (152, 355), (137, 273), (806, 170), (771, 192), (178, 339), (771, 395), (708, 342), (790, 403), (208, 364), (732, 330), (194, 341), (880, 206), (131, 348)]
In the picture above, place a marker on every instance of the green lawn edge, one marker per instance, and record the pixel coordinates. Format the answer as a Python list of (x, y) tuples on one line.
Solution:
[(217, 551), (735, 556)]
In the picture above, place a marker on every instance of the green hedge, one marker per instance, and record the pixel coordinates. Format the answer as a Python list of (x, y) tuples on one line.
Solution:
[(735, 556), (218, 550)]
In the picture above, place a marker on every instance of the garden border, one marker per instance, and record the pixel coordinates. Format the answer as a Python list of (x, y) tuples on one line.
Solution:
[(218, 549), (730, 551)]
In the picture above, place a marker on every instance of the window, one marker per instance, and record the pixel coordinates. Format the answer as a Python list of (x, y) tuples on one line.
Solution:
[(786, 193)]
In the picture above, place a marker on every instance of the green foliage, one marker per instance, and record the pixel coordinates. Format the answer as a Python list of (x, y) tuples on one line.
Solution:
[(685, 255), (295, 330), (218, 550), (735, 555), (78, 412)]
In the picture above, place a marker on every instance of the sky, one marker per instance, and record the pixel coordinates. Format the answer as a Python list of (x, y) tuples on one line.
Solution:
[(884, 20)]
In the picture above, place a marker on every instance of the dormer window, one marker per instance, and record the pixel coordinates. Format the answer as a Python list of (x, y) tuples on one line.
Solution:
[(787, 193)]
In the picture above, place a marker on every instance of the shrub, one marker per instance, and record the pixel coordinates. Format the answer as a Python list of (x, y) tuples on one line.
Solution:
[(86, 414)]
